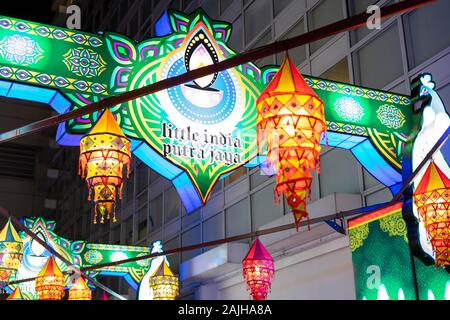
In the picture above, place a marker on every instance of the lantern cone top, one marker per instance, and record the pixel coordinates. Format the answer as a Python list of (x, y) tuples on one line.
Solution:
[(258, 252), (50, 269), (107, 124), (163, 270), (16, 295), (9, 233), (433, 179), (79, 284), (288, 80), (104, 296)]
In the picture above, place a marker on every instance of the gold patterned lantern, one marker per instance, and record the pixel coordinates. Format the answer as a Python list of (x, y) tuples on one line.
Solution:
[(104, 153), (164, 283), (50, 281), (11, 252), (80, 290), (16, 295), (291, 121), (432, 198)]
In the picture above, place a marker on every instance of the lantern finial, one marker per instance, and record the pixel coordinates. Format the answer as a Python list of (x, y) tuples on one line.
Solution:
[(258, 270), (291, 121), (432, 198), (79, 290), (11, 252), (16, 295), (104, 153)]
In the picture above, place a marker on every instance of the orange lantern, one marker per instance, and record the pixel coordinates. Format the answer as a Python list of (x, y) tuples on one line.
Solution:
[(50, 281), (291, 120), (258, 269), (11, 252), (432, 198), (80, 290), (103, 154), (16, 295)]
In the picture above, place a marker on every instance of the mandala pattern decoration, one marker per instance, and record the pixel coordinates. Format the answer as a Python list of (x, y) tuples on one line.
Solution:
[(349, 109), (359, 235), (84, 62), (391, 116), (394, 225), (20, 50)]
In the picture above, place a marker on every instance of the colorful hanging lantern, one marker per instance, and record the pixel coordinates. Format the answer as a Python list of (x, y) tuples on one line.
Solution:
[(291, 121), (11, 252), (104, 296), (432, 198), (16, 295), (50, 281), (258, 270), (104, 152), (80, 290), (164, 283)]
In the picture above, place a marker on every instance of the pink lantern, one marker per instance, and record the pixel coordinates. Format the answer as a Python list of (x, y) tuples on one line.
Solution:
[(258, 270)]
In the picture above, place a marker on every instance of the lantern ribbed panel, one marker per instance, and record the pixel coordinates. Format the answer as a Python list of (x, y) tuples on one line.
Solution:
[(11, 252), (291, 121), (432, 198), (50, 281), (164, 283), (104, 153)]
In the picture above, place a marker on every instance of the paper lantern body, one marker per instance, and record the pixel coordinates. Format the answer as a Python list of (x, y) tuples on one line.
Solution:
[(291, 121), (80, 290), (258, 270), (50, 281), (164, 283), (11, 252), (104, 153), (432, 198)]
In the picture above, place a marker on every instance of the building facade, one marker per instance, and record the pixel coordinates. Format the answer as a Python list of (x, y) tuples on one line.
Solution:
[(312, 264)]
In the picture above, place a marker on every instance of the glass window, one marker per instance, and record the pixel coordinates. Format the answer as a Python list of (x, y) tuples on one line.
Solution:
[(380, 61), (279, 5), (213, 229), (129, 188), (188, 238), (369, 180), (445, 96), (427, 31), (156, 210), (325, 13), (236, 39), (142, 222), (379, 197), (339, 72), (224, 4), (190, 218), (129, 231), (211, 7), (142, 176), (171, 204), (257, 18), (298, 54), (235, 175), (265, 39), (237, 218), (264, 209), (338, 172), (258, 178)]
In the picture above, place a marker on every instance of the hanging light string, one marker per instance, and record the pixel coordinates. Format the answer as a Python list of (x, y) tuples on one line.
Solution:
[(18, 224), (339, 215), (348, 24)]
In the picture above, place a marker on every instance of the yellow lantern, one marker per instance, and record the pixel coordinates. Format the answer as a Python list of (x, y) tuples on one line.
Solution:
[(164, 283), (11, 252), (50, 281), (104, 153), (16, 295), (432, 198), (291, 121), (80, 290)]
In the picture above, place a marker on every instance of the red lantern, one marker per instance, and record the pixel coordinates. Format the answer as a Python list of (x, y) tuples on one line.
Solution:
[(258, 270), (291, 121), (432, 198)]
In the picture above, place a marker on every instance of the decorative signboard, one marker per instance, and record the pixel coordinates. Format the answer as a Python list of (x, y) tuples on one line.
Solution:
[(80, 253), (383, 265), (197, 133)]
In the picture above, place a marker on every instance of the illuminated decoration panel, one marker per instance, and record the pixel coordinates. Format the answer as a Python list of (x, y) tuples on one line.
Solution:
[(432, 123), (80, 254), (382, 260), (76, 68)]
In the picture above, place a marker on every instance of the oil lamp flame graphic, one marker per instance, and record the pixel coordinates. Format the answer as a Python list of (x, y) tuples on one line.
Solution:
[(199, 53)]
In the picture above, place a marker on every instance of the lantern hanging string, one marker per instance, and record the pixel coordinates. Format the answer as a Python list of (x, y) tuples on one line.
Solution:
[(254, 234), (347, 24)]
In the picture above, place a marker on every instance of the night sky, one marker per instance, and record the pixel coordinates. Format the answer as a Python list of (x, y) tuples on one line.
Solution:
[(37, 10)]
